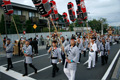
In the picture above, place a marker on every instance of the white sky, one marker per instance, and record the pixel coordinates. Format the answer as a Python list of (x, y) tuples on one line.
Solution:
[(109, 9)]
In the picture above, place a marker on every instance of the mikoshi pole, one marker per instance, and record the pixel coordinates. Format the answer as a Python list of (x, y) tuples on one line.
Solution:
[(58, 36)]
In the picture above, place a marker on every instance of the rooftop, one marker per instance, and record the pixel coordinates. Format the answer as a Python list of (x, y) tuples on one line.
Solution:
[(23, 6)]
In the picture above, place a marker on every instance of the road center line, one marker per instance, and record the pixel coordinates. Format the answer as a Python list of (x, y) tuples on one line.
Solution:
[(114, 43)]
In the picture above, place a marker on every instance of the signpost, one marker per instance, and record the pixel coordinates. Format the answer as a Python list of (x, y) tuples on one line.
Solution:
[(35, 26)]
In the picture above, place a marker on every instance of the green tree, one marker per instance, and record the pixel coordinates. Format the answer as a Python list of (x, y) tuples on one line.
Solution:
[(29, 27), (12, 29), (96, 24)]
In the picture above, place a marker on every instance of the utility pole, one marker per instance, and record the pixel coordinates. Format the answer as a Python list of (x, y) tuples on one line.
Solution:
[(101, 27), (5, 24)]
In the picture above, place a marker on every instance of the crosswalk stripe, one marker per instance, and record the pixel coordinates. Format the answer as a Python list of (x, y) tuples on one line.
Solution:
[(14, 74)]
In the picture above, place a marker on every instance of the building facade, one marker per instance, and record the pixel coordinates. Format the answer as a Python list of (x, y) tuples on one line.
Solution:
[(25, 13)]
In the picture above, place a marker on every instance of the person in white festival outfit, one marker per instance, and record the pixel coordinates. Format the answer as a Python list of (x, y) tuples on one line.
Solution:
[(92, 50)]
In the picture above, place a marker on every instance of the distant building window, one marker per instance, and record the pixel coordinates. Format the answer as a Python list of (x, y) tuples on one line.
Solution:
[(31, 14), (17, 12)]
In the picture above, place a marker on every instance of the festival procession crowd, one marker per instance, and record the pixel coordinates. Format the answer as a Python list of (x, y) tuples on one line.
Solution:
[(67, 51)]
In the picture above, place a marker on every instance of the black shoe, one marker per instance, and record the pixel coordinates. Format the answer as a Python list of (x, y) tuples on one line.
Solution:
[(11, 67), (88, 68), (25, 74), (102, 64), (7, 69), (57, 70), (53, 76), (36, 71)]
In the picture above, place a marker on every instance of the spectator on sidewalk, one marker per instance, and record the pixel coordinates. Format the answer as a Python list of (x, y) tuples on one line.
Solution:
[(31, 43), (4, 42), (19, 51), (15, 48), (42, 40), (35, 46)]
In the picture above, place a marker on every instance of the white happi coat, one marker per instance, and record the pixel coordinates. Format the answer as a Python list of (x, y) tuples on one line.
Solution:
[(80, 47), (104, 49), (28, 50), (9, 50), (73, 54), (55, 55)]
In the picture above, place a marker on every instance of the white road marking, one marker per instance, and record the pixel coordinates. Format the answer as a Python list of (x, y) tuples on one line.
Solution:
[(14, 74), (23, 60), (114, 43), (42, 69), (110, 67), (85, 62)]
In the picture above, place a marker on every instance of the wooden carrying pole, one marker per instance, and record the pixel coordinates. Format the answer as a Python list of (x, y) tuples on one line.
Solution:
[(58, 37)]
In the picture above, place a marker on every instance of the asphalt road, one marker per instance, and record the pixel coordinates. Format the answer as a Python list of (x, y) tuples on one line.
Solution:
[(42, 63)]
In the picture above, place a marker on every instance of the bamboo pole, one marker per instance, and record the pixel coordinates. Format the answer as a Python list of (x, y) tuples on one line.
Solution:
[(1, 37), (16, 27), (58, 37), (75, 30), (50, 35)]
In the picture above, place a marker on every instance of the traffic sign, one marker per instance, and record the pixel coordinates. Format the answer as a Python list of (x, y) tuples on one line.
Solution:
[(34, 26)]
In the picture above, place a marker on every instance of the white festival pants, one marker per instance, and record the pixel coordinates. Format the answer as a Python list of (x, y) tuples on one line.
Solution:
[(70, 73), (91, 59)]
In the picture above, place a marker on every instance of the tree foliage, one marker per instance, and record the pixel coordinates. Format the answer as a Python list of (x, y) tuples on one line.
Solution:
[(12, 29), (94, 24)]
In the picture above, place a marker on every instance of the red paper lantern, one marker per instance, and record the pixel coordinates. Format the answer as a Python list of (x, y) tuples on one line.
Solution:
[(71, 11), (7, 6), (54, 13), (43, 7)]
